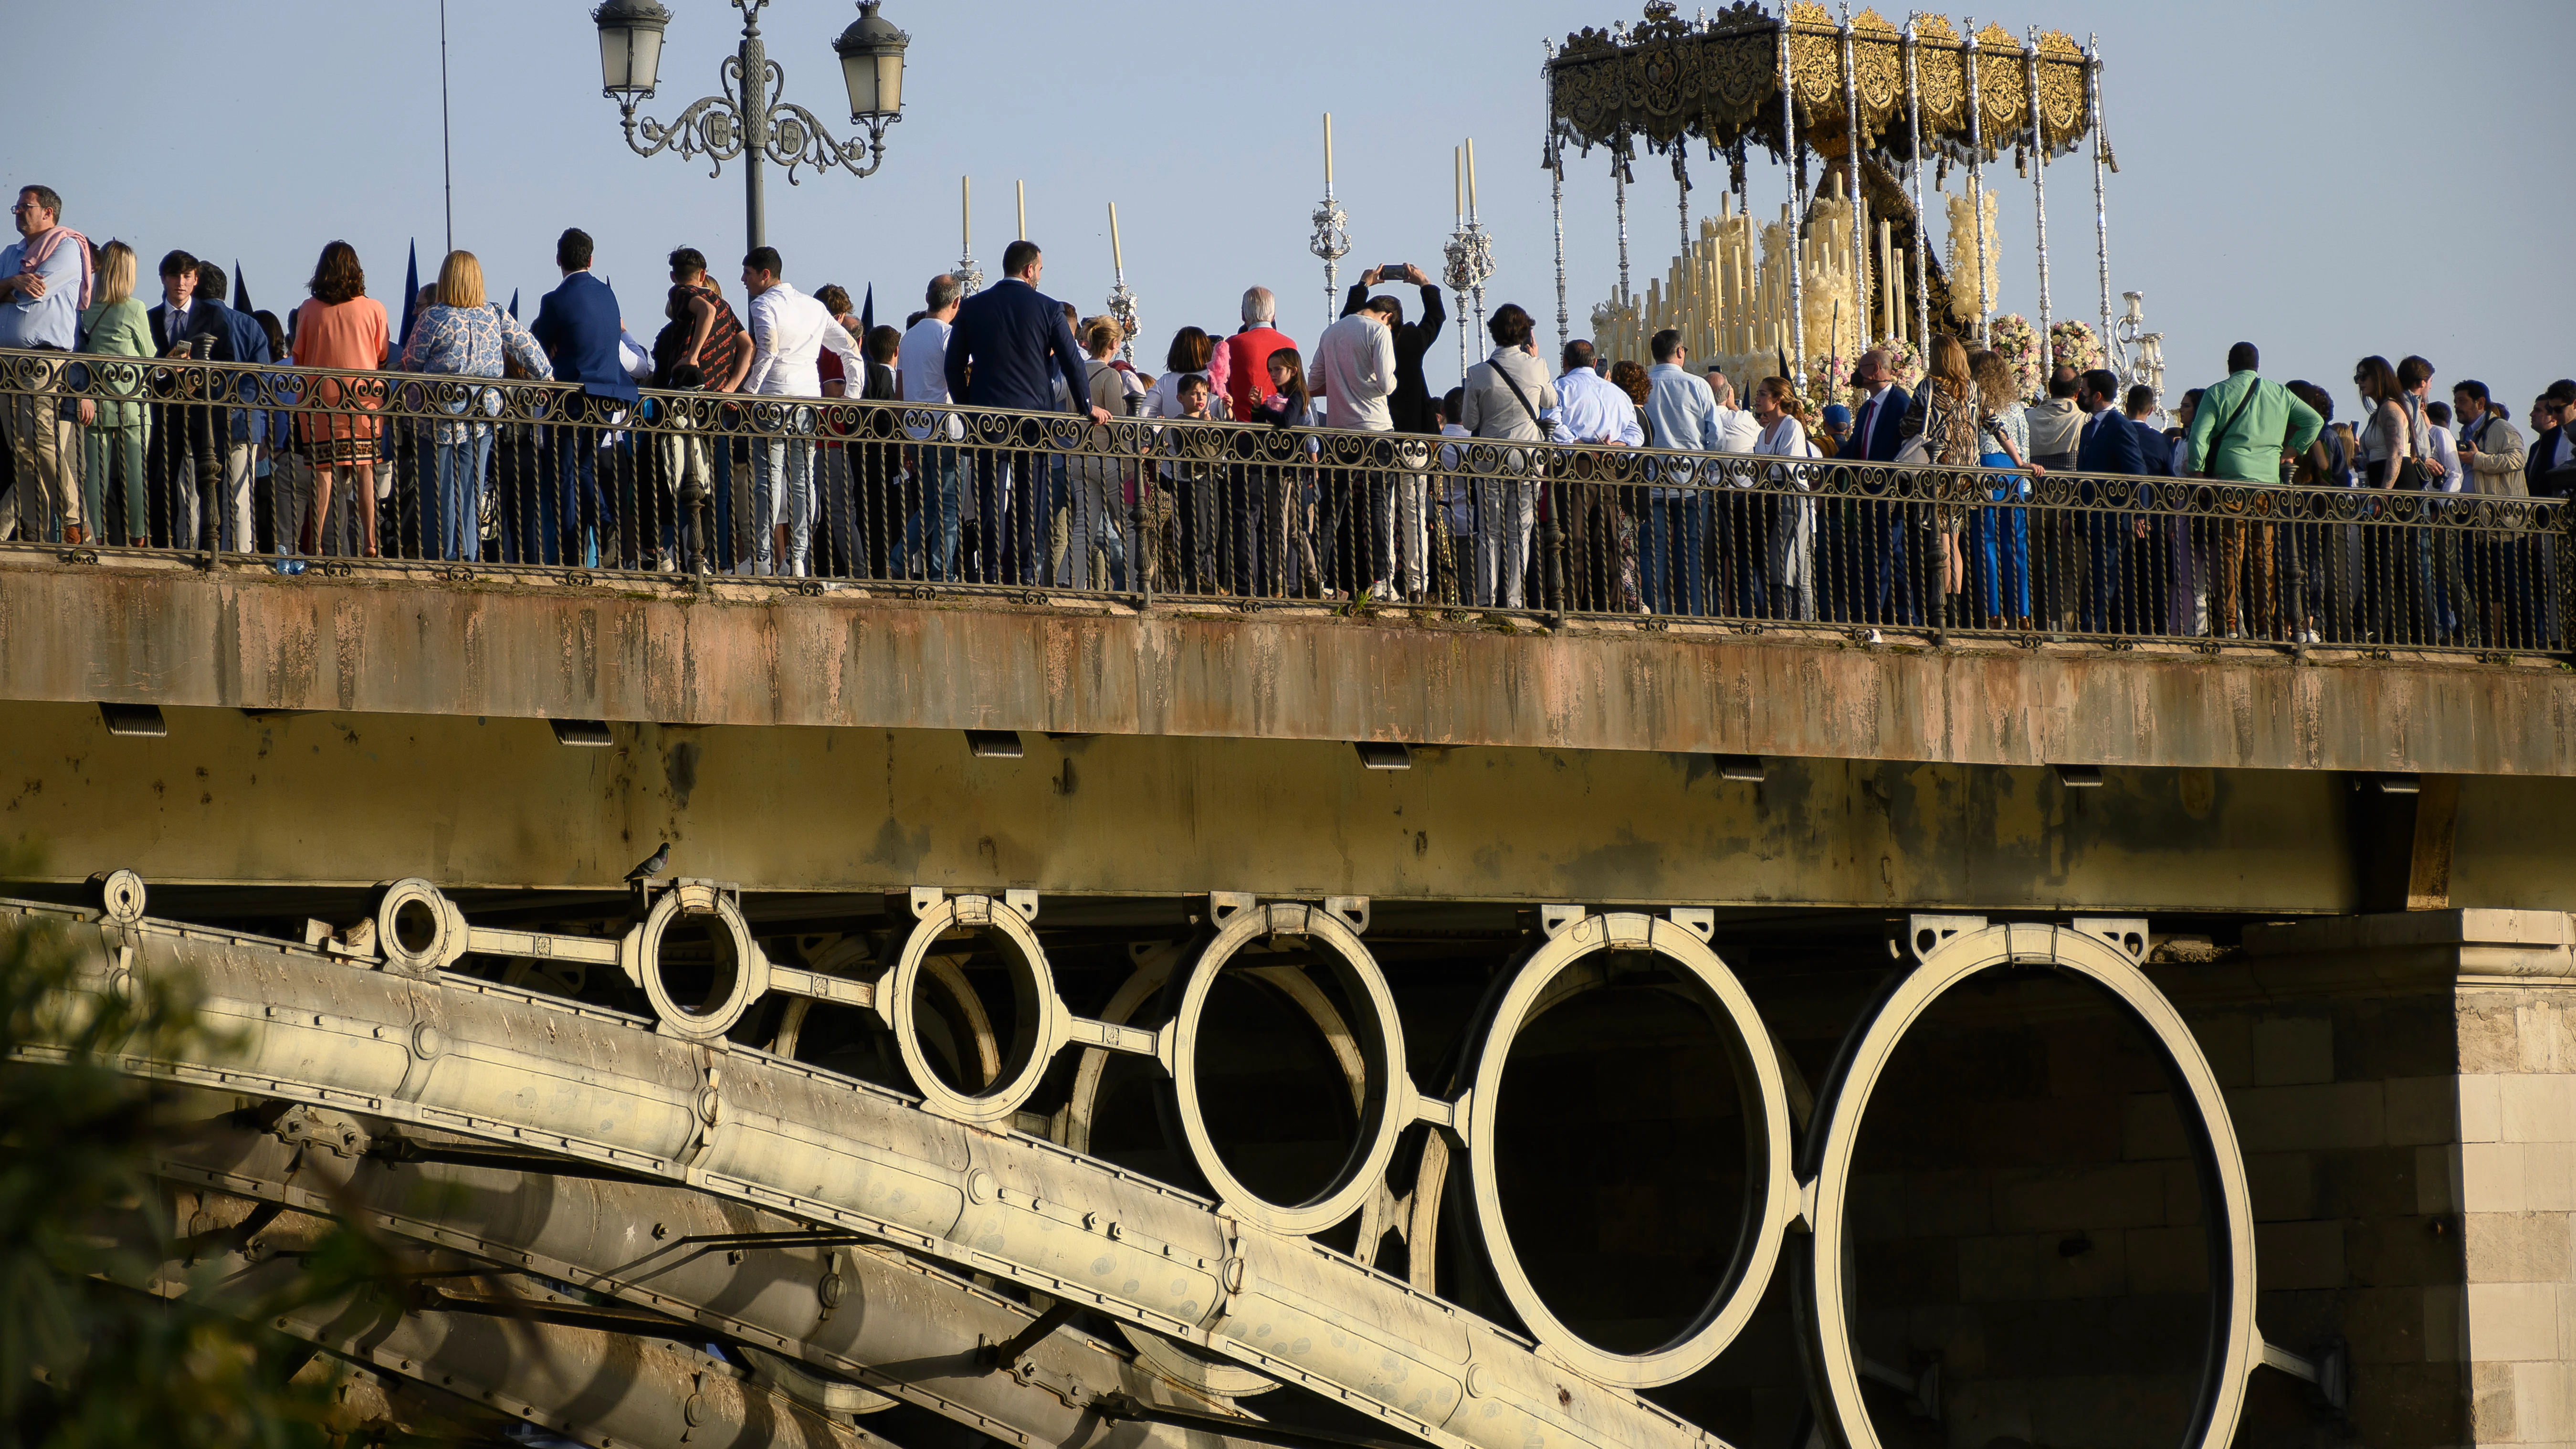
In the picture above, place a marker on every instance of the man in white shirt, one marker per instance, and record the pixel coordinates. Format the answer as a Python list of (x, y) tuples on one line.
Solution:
[(1592, 409), (1735, 424), (1737, 523), (1687, 419), (1354, 372), (922, 367), (1508, 397), (788, 331)]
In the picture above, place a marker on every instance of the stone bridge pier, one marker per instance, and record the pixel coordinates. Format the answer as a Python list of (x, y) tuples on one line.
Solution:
[(1094, 1026)]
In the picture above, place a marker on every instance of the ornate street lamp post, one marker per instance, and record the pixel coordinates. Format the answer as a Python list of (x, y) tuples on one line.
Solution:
[(749, 120)]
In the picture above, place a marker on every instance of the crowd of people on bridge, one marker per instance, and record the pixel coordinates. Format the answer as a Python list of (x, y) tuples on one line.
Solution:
[(639, 463)]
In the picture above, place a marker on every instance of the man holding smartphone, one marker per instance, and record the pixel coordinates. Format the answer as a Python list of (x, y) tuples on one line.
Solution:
[(1411, 409)]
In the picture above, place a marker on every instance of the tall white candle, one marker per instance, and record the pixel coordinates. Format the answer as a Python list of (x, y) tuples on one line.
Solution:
[(1024, 209), (1117, 256), (965, 216), (1457, 182), (1471, 176), (1328, 150)]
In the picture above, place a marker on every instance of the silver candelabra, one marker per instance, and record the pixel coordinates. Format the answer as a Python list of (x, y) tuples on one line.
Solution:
[(1332, 242), (1471, 265), (1122, 309)]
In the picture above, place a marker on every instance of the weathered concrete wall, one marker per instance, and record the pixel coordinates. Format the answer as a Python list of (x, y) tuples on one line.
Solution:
[(753, 654), (467, 803)]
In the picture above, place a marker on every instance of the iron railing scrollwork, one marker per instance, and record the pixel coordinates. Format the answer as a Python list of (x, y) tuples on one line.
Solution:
[(519, 475)]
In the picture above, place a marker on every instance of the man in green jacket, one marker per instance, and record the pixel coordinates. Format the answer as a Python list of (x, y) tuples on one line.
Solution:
[(2241, 431), (2245, 424)]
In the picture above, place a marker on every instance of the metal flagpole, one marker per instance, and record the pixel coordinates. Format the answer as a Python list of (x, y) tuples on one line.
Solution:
[(2039, 195), (1797, 204), (2101, 204), (1976, 184), (1851, 172), (446, 150), (1922, 279)]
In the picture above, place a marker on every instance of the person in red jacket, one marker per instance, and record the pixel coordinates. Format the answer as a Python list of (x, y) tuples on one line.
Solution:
[(1247, 352)]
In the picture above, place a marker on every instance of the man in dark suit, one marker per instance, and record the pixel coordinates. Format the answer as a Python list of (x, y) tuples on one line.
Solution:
[(2109, 444), (2547, 475), (184, 441), (1866, 575), (238, 338), (1004, 351), (578, 326)]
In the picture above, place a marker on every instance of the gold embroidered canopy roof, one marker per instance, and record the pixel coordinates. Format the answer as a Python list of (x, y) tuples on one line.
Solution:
[(1666, 79)]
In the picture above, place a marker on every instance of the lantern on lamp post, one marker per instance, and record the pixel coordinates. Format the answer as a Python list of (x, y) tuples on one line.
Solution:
[(748, 120)]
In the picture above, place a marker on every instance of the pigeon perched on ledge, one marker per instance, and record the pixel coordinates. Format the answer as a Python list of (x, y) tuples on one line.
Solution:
[(651, 865)]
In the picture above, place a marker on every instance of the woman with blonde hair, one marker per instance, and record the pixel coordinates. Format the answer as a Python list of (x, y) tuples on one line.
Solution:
[(2003, 534), (115, 325), (1944, 416), (463, 334), (1088, 529), (340, 326)]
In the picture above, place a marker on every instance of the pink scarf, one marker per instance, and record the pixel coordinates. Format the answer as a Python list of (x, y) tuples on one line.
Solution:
[(40, 249)]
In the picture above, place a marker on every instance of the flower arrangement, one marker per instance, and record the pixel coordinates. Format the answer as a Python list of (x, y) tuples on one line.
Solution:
[(1904, 360), (1828, 379), (2073, 344), (2013, 339)]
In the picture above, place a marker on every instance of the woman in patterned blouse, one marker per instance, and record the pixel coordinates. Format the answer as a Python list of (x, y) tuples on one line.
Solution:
[(463, 335)]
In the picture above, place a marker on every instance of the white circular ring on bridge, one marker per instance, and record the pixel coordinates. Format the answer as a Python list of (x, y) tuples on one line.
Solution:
[(723, 1006), (400, 911), (1378, 1033), (121, 896), (2236, 1346), (1040, 1027), (1757, 1251)]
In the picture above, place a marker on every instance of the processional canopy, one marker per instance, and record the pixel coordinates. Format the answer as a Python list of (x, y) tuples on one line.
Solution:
[(1668, 79)]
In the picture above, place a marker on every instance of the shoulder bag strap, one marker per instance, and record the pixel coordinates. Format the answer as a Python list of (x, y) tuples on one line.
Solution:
[(1523, 398), (2211, 456)]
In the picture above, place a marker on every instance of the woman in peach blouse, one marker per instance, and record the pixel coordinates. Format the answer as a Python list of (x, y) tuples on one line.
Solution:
[(341, 327)]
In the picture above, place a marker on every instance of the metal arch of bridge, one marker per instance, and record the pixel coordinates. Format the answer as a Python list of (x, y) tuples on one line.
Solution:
[(458, 1055)]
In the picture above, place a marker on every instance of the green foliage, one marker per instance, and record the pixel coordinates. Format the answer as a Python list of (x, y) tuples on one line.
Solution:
[(86, 1358)]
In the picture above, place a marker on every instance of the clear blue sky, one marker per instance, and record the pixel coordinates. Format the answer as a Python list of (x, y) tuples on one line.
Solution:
[(2327, 179)]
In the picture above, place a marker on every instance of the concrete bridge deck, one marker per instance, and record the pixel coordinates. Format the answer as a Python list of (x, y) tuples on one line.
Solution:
[(395, 640)]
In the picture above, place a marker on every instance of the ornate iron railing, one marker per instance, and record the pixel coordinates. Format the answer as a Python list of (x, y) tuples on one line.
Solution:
[(258, 466)]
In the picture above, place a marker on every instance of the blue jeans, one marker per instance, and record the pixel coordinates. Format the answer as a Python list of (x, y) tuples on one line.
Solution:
[(579, 512), (930, 519), (2003, 546), (460, 469), (1673, 585)]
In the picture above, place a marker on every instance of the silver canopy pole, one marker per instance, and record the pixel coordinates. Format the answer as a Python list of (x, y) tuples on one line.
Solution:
[(1922, 222), (2039, 194)]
